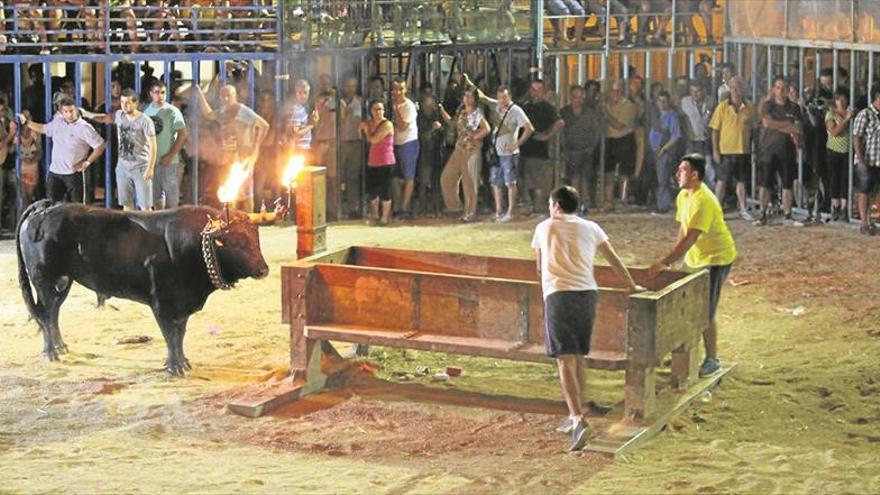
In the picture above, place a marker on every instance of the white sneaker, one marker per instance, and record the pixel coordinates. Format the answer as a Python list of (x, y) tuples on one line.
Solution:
[(504, 218)]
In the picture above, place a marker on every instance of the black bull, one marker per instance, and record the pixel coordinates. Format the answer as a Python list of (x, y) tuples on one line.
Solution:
[(155, 258)]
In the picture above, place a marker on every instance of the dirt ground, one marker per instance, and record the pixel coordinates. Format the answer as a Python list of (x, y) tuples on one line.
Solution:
[(801, 414)]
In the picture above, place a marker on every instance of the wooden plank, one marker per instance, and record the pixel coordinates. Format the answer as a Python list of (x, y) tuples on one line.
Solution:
[(501, 349), (622, 437)]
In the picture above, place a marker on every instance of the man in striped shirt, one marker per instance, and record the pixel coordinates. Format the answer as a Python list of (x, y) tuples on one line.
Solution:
[(866, 141)]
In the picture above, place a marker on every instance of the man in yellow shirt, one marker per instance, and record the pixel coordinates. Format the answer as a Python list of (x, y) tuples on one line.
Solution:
[(704, 241), (731, 126)]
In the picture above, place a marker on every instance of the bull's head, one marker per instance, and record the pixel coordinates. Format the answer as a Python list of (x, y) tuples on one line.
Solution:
[(237, 244)]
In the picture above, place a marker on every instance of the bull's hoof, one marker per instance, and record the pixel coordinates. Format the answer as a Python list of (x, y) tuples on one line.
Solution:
[(51, 356), (186, 365), (175, 371), (61, 348)]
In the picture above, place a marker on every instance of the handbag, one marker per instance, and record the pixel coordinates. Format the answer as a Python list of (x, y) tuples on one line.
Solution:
[(491, 157)]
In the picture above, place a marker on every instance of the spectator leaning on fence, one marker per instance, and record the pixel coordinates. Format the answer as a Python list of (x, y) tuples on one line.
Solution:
[(866, 142), (580, 138), (781, 120), (72, 137)]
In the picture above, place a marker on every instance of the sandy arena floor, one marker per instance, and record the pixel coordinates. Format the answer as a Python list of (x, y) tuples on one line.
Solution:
[(801, 414)]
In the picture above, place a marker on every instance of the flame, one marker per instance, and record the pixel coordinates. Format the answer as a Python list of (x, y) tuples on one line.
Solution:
[(294, 166), (228, 192)]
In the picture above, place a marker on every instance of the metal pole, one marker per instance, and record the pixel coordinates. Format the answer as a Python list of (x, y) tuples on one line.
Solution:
[(620, 28), (691, 62), (50, 114), (166, 77), (714, 82), (539, 35), (197, 79), (137, 76), (835, 63), (581, 69), (16, 105), (852, 98), (108, 135), (800, 197), (769, 67), (625, 69), (754, 77)]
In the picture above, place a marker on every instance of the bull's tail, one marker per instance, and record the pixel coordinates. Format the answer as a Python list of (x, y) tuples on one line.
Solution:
[(24, 282)]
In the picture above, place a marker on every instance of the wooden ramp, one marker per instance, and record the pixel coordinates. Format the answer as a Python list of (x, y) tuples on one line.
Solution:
[(625, 435)]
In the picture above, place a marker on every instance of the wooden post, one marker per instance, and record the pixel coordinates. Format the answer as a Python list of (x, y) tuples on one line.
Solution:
[(640, 393), (685, 364), (311, 211)]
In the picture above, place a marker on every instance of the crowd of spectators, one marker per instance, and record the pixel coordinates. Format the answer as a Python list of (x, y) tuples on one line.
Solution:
[(483, 151), (69, 26), (637, 22)]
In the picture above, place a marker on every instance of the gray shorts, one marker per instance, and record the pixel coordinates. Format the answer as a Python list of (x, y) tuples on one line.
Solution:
[(165, 181), (133, 189)]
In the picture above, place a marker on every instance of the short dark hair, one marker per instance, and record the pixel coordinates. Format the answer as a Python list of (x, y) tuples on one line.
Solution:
[(130, 94), (663, 94), (729, 66), (697, 163), (158, 83), (841, 92), (875, 93), (65, 101), (778, 78), (503, 87), (374, 101), (575, 87), (826, 72), (567, 198)]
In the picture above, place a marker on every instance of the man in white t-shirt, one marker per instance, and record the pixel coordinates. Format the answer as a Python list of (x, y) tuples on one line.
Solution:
[(565, 246), (510, 119), (406, 146)]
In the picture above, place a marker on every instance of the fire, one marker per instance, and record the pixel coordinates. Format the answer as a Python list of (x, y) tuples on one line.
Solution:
[(294, 166), (228, 192)]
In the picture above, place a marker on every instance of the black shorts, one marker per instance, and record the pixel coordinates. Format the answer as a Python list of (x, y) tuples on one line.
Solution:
[(783, 162), (717, 277), (866, 179), (734, 167), (568, 322), (378, 182), (621, 151)]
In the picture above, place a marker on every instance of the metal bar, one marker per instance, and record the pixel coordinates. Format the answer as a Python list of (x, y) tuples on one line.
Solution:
[(801, 200), (50, 114), (852, 98), (691, 62), (835, 63), (197, 79), (251, 79), (539, 36), (625, 69), (714, 82), (108, 135), (77, 86), (581, 69), (607, 30), (167, 67), (137, 76), (509, 66), (769, 68), (16, 105)]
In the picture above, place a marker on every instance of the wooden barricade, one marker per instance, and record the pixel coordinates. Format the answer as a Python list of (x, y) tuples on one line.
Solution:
[(481, 306)]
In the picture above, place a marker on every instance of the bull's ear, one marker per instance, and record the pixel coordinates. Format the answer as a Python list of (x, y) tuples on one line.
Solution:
[(218, 243)]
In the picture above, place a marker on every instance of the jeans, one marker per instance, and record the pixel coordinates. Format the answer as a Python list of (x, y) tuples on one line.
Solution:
[(664, 165)]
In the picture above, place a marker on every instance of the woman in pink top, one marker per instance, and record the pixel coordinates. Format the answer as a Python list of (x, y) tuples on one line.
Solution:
[(379, 132)]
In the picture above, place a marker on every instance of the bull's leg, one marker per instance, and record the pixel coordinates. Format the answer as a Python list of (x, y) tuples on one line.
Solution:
[(180, 335), (171, 332), (50, 296)]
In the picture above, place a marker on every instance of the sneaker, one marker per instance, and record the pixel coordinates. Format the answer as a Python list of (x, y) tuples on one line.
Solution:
[(659, 213), (745, 215), (835, 213), (709, 367), (566, 426), (764, 220), (504, 218), (579, 436), (466, 219)]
